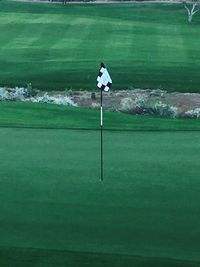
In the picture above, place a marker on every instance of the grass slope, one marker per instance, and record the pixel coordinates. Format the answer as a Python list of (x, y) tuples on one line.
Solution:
[(19, 114), (56, 46), (55, 212)]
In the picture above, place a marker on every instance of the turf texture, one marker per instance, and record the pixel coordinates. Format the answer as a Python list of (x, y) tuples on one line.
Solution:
[(56, 212), (32, 115), (57, 47)]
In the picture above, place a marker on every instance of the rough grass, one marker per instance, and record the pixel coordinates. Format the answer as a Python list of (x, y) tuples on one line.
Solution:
[(57, 47)]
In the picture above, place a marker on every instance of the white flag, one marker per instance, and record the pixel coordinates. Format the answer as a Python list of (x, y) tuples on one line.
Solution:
[(104, 81)]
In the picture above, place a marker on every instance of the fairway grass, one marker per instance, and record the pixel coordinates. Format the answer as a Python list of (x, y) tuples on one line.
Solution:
[(61, 46), (56, 212)]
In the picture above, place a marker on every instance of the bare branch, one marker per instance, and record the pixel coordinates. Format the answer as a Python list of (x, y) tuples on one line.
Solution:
[(185, 6), (193, 7), (190, 7), (195, 11)]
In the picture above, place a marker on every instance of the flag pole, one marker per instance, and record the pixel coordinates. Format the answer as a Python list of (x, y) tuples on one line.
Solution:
[(104, 82), (101, 172)]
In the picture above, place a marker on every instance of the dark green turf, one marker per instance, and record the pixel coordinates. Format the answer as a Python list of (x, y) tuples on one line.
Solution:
[(50, 258), (57, 47), (54, 211), (51, 197)]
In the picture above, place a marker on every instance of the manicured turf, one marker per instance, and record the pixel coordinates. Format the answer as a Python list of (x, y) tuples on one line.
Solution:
[(56, 212), (57, 47), (19, 114)]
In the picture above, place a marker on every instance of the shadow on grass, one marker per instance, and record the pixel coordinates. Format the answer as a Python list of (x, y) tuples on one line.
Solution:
[(28, 257)]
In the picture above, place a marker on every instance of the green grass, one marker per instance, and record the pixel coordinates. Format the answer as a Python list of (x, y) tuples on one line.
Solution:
[(19, 114), (51, 258), (57, 47), (56, 212), (148, 204)]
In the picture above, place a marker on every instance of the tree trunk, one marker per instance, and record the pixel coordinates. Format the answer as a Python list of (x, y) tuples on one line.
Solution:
[(189, 18)]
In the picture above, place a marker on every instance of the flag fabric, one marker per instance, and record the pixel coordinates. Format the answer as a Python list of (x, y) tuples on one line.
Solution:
[(104, 81)]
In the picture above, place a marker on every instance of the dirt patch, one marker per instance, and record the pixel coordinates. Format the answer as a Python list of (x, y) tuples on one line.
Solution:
[(138, 101)]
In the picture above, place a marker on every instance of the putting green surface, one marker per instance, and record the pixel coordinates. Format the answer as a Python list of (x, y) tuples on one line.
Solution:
[(56, 212), (56, 47)]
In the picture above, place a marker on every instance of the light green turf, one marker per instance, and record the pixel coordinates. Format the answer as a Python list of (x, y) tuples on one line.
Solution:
[(56, 212), (56, 46)]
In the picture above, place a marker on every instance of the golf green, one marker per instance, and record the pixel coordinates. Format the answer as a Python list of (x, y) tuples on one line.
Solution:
[(56, 212), (52, 199)]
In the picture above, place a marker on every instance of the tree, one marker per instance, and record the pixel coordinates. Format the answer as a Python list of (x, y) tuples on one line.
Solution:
[(191, 7)]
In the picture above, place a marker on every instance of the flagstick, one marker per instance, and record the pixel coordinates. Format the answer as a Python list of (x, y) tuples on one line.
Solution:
[(101, 177)]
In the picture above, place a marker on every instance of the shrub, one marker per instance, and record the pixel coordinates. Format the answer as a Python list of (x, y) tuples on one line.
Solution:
[(193, 113)]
